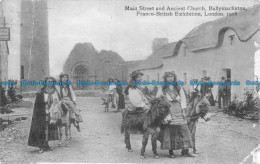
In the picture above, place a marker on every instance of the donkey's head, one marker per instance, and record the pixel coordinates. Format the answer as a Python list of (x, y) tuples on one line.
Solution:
[(160, 107), (55, 114), (202, 108)]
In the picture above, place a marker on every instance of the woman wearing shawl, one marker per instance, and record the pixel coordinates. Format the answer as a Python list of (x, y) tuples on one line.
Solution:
[(68, 99), (175, 134), (41, 132), (137, 100)]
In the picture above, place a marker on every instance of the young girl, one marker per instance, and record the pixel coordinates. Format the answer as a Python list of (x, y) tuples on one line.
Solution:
[(137, 99), (68, 99), (112, 94), (175, 134)]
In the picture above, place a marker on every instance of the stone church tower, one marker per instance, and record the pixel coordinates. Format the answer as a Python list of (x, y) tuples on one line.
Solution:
[(4, 51), (34, 61)]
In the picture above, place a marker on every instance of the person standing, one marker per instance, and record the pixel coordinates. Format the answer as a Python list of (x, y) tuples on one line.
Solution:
[(119, 96), (228, 92), (222, 93), (207, 89), (41, 132), (112, 94), (175, 134)]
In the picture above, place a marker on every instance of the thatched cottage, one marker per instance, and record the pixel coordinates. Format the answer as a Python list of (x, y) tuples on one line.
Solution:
[(224, 47)]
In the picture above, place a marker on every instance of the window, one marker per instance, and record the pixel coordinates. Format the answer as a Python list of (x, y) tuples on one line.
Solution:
[(22, 72), (204, 73), (158, 75), (185, 78), (232, 40), (148, 78)]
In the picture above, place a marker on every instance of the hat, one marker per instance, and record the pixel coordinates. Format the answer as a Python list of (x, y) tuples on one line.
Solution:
[(135, 74)]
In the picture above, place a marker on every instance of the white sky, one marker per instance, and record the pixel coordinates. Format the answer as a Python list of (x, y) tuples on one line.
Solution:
[(107, 25)]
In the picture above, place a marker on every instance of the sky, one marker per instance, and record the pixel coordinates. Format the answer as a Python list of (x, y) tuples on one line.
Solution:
[(108, 26)]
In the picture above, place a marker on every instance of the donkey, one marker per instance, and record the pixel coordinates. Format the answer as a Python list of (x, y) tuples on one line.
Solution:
[(146, 122), (59, 114), (199, 107)]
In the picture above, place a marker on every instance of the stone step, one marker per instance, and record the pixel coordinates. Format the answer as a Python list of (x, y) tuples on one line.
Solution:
[(13, 117)]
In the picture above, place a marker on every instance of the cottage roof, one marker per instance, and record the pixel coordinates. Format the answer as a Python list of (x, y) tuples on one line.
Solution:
[(156, 59), (208, 35)]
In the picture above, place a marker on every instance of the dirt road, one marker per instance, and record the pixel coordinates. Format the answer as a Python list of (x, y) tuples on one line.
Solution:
[(224, 139)]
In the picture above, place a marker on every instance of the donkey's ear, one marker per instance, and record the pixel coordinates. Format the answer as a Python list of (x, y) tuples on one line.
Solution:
[(149, 99), (152, 101)]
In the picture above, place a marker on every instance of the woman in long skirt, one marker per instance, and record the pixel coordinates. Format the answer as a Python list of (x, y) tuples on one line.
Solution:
[(120, 97), (175, 134), (41, 132)]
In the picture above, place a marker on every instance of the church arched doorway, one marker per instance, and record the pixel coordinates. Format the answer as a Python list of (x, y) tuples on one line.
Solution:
[(80, 73)]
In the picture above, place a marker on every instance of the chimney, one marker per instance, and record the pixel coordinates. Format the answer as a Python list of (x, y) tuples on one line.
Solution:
[(158, 43)]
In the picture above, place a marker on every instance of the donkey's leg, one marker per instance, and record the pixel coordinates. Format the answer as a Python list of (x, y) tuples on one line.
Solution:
[(192, 127), (70, 129), (67, 134), (193, 133), (154, 144), (127, 141), (106, 107), (60, 132), (144, 143)]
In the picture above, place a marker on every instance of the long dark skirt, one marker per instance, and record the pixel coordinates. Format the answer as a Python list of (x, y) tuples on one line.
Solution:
[(211, 99), (175, 137), (41, 132), (121, 101)]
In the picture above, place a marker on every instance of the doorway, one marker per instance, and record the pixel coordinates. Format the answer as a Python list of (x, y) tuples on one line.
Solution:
[(227, 88), (79, 74)]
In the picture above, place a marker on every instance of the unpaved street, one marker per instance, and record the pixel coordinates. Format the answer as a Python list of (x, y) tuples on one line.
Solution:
[(224, 139)]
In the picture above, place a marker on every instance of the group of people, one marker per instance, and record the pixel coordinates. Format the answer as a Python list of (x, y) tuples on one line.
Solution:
[(175, 134), (41, 131), (224, 92)]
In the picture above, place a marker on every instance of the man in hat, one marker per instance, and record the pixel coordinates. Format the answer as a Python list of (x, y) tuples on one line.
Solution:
[(207, 90), (222, 92)]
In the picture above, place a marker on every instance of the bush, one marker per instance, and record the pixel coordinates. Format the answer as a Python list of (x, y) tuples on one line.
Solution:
[(247, 108), (5, 101), (3, 98), (5, 109), (12, 93)]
